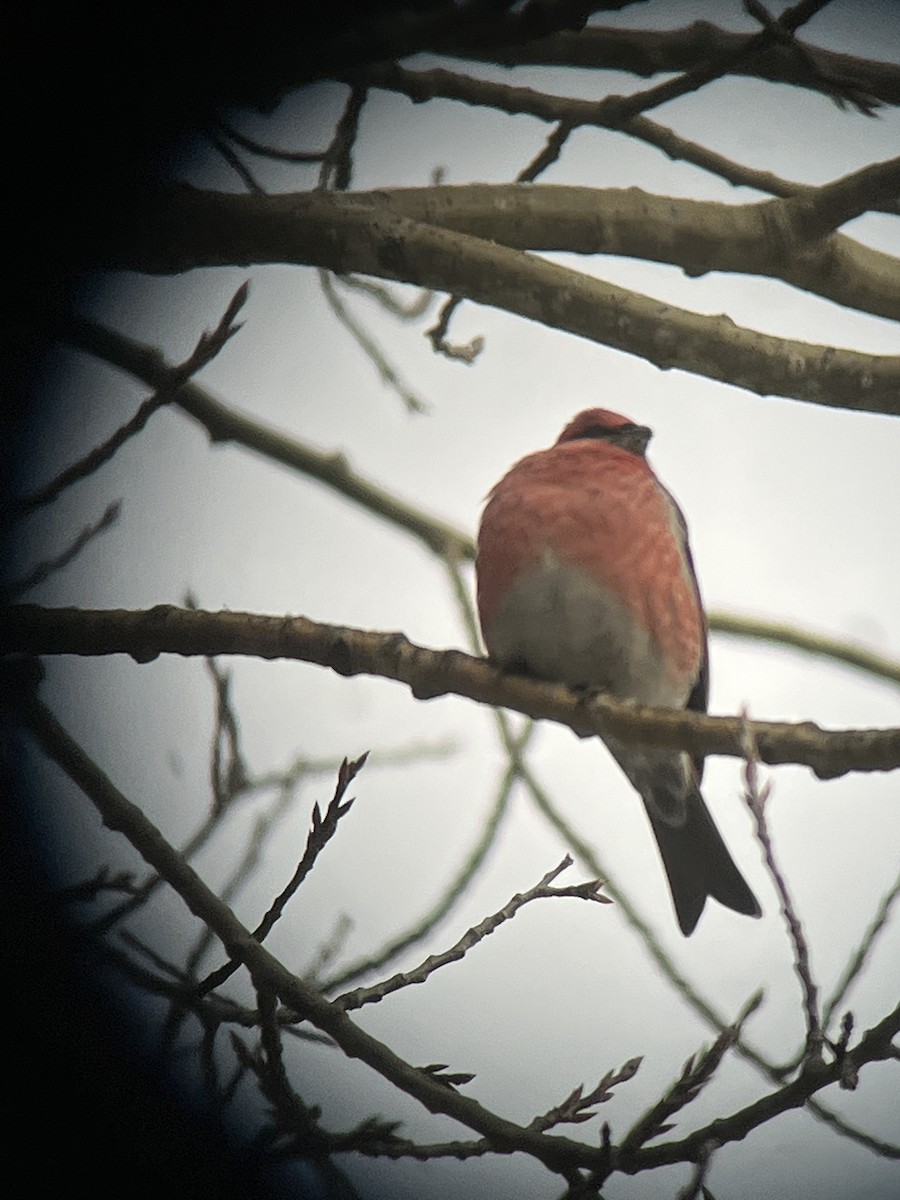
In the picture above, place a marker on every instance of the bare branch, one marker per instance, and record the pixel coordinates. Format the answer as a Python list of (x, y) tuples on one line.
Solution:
[(765, 238), (719, 63), (323, 829), (574, 1109), (373, 352), (103, 881), (854, 968), (458, 352), (44, 570), (236, 163), (225, 424), (344, 233), (229, 779), (29, 629), (266, 151), (756, 795), (389, 302), (648, 52), (452, 893), (821, 210), (119, 814), (558, 1153), (551, 151), (540, 891), (572, 112), (874, 1046), (337, 165), (696, 1074), (208, 346), (816, 644)]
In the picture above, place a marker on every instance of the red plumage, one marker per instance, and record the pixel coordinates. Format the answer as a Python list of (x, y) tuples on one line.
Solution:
[(585, 577)]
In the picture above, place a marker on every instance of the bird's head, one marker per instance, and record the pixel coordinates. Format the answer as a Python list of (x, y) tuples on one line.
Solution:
[(603, 425)]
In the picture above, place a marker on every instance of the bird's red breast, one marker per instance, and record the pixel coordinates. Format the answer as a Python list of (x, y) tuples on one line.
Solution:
[(597, 507), (585, 577)]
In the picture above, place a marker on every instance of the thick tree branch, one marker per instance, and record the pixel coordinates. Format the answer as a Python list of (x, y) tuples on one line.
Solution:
[(874, 1045), (226, 424), (121, 815), (648, 52), (557, 1153), (821, 210), (29, 629), (777, 239), (574, 112), (194, 228)]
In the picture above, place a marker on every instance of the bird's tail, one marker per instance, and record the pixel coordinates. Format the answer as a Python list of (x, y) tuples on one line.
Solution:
[(697, 861), (695, 857)]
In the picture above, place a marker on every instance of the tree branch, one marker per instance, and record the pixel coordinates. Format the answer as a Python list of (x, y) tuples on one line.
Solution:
[(321, 832), (165, 629), (647, 52), (345, 234), (208, 346), (590, 890), (571, 112), (556, 1152), (776, 239), (225, 424), (819, 211), (121, 815), (874, 1046)]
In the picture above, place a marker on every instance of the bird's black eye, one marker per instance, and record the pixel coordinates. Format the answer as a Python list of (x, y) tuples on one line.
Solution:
[(633, 438)]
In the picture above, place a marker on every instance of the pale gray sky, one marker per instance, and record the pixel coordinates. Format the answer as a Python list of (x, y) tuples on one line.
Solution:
[(792, 510)]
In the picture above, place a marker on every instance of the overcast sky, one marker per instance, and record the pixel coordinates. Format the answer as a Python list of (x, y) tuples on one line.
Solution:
[(792, 510)]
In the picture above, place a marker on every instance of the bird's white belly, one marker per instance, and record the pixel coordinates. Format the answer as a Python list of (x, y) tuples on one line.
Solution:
[(558, 623)]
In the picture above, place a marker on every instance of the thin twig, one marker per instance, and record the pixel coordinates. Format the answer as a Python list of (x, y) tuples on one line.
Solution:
[(237, 164), (589, 890), (718, 64), (646, 52), (465, 352), (863, 952), (575, 112), (695, 1186), (229, 779), (337, 165), (549, 153), (103, 881), (755, 796), (453, 892), (696, 1074), (226, 424), (266, 151), (555, 1151), (321, 832), (574, 1109), (44, 570), (208, 346), (818, 645), (410, 311), (376, 356)]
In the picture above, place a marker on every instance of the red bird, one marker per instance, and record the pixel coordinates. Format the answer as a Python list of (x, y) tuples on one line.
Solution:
[(585, 577)]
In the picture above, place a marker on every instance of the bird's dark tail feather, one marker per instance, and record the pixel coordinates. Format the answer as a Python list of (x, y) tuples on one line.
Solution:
[(698, 865)]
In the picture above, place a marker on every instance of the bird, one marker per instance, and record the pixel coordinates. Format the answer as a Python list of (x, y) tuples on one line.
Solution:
[(585, 577)]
